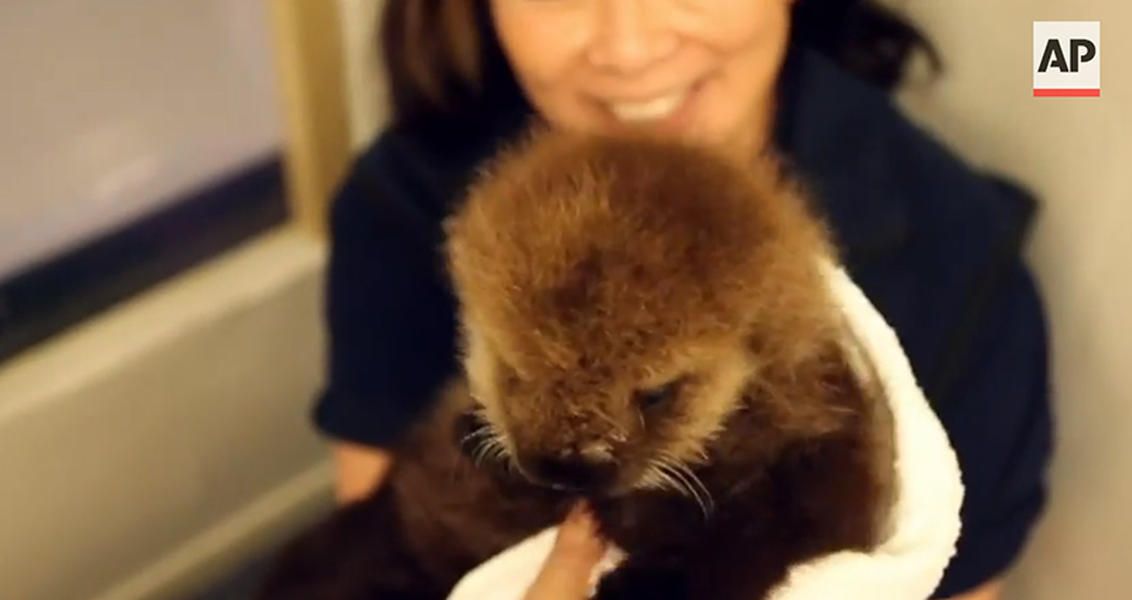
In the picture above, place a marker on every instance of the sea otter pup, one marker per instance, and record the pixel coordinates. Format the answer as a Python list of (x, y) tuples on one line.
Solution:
[(643, 323)]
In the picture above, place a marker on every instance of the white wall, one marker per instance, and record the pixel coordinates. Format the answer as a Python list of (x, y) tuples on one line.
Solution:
[(1076, 154), (160, 444)]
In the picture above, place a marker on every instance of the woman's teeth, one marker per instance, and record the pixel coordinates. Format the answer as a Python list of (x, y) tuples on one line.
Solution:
[(656, 108)]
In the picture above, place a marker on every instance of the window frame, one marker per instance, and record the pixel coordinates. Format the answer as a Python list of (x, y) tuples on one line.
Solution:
[(291, 188)]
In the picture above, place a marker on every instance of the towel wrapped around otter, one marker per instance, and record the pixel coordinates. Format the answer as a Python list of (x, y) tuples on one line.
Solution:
[(907, 565)]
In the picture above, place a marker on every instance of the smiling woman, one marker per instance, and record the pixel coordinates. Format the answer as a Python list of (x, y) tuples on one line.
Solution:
[(703, 70), (934, 243)]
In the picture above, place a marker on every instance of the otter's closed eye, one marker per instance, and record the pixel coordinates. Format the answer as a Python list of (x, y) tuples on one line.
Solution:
[(656, 397)]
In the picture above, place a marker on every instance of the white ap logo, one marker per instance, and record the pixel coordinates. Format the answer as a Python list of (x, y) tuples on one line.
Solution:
[(1067, 58)]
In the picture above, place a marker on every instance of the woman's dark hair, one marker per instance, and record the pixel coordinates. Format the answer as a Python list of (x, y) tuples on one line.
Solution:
[(444, 64), (870, 41)]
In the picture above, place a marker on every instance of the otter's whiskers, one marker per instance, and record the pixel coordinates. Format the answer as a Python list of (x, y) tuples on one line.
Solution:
[(666, 471)]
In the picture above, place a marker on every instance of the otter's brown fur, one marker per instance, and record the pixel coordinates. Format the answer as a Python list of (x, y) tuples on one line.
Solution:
[(590, 271)]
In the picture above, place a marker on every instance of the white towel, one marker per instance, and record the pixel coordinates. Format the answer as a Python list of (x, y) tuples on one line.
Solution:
[(907, 565)]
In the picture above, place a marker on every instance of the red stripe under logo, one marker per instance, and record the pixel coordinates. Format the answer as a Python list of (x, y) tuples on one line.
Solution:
[(1066, 93)]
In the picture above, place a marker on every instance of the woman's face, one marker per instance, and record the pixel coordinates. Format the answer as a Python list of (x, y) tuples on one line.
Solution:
[(703, 70)]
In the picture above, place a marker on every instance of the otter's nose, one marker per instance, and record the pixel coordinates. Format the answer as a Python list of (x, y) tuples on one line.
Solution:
[(574, 472)]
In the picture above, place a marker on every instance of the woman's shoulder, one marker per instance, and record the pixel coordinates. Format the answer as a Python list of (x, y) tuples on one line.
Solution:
[(404, 175), (923, 230), (888, 186), (414, 172), (389, 310), (881, 177)]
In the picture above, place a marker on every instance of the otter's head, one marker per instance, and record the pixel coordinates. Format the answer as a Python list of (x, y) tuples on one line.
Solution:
[(616, 298)]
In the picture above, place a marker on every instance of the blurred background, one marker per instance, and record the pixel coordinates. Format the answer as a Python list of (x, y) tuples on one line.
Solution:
[(164, 165)]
